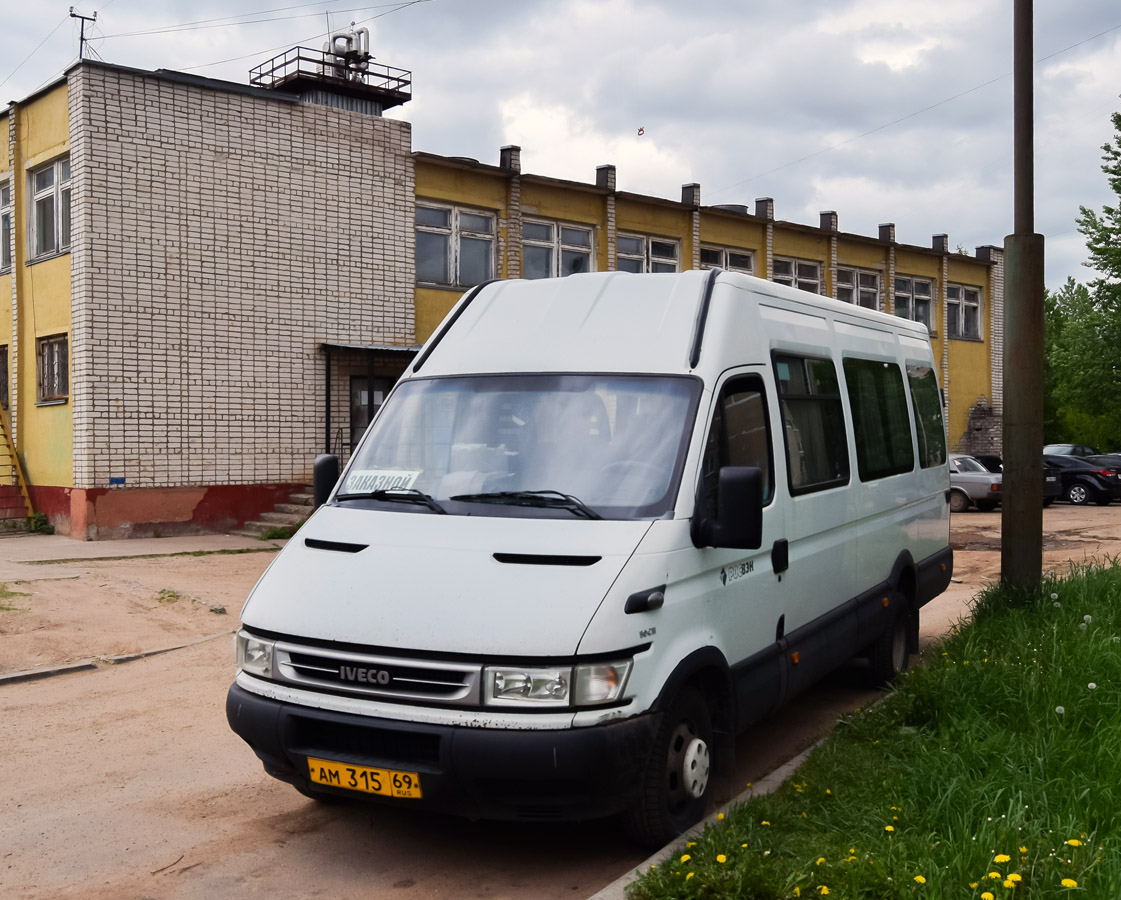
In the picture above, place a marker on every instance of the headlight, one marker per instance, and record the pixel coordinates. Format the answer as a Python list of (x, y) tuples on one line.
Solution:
[(560, 686), (254, 655), (511, 685)]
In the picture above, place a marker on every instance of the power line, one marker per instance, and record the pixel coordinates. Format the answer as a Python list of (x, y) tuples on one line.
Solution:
[(910, 115), (36, 50)]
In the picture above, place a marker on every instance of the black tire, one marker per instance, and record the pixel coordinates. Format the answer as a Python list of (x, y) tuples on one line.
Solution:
[(986, 505), (1078, 494), (958, 501), (675, 785), (888, 653)]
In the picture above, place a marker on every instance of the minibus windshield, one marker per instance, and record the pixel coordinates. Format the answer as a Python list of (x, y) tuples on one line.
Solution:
[(588, 446)]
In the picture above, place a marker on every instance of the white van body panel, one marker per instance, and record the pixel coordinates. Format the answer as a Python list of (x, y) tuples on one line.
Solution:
[(471, 603)]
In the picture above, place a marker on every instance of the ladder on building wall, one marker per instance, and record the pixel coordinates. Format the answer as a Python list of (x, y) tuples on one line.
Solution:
[(15, 503)]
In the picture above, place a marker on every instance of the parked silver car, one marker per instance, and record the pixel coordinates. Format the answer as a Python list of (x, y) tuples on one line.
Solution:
[(971, 484)]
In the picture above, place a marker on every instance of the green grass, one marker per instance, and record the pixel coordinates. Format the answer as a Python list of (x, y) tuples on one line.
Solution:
[(279, 533), (998, 760), (6, 595)]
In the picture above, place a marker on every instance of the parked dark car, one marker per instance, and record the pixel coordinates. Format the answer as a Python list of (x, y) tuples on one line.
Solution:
[(1106, 460), (1052, 483), (992, 463), (1070, 450), (1083, 481)]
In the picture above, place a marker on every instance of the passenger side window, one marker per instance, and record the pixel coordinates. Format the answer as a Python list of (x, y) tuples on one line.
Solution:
[(739, 436), (880, 422), (927, 402), (813, 421)]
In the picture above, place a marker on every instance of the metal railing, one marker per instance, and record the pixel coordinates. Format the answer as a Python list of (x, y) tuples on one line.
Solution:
[(305, 68)]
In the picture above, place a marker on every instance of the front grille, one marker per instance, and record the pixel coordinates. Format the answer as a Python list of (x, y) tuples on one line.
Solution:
[(381, 677), (368, 744)]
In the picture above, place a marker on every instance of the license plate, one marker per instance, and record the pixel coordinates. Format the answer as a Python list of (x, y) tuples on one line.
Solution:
[(1052, 478), (388, 782)]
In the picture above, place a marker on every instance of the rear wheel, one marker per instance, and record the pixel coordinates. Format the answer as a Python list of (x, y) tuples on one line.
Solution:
[(958, 502), (888, 654), (675, 786), (1078, 494)]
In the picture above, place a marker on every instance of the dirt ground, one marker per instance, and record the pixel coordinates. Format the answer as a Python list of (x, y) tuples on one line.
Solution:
[(126, 782)]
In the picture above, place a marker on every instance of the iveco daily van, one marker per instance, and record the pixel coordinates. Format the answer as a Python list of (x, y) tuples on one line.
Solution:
[(602, 524)]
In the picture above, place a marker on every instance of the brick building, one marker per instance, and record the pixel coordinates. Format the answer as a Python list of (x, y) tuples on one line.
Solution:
[(209, 282)]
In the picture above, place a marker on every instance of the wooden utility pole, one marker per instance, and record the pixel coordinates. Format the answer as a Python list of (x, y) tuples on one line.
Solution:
[(1021, 543)]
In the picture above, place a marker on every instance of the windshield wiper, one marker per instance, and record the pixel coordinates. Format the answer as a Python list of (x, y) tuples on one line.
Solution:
[(397, 495), (542, 499)]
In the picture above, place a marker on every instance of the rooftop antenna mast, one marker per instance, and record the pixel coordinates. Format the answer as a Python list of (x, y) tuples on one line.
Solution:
[(82, 39)]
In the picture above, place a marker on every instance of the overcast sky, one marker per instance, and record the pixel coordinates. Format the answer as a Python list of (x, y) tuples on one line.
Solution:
[(883, 110)]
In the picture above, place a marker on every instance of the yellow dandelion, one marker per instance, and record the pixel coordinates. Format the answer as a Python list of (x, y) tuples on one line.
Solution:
[(721, 858), (685, 857), (1009, 883), (764, 822), (827, 791), (823, 890), (920, 880), (690, 843), (797, 891), (973, 885), (1023, 849), (1014, 877), (986, 896), (804, 816), (820, 860), (889, 828), (720, 817), (1001, 857), (994, 875), (690, 875), (1069, 883), (1074, 842)]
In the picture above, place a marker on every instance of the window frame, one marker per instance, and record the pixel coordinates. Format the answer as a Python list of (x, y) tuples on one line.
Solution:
[(455, 232), (796, 279), (858, 290), (649, 260), (725, 256), (717, 441), (835, 410), (59, 193), (910, 294), (558, 245), (961, 304), (7, 221), (5, 376), (878, 426), (53, 365)]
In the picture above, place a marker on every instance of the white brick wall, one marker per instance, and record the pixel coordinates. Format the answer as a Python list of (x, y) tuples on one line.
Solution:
[(219, 237)]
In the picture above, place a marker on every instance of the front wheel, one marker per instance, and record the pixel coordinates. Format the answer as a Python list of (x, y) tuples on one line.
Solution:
[(1078, 494), (675, 786)]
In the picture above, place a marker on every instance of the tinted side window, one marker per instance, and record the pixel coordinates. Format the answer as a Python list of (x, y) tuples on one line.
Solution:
[(927, 402), (879, 418), (813, 420), (739, 436)]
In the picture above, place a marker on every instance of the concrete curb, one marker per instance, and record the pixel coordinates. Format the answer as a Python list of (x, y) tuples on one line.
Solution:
[(766, 785), (98, 662)]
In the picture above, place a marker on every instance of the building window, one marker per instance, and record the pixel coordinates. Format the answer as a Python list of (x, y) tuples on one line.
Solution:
[(4, 376), (912, 300), (551, 250), (454, 246), (800, 273), (727, 258), (5, 226), (54, 370), (963, 311), (859, 286), (50, 209), (637, 253)]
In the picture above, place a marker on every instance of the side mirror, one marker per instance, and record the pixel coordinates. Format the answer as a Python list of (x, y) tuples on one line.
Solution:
[(738, 522), (325, 472)]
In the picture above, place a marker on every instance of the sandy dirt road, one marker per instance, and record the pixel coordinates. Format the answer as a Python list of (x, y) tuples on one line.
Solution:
[(125, 781)]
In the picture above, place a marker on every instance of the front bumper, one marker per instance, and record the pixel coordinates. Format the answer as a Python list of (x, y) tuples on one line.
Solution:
[(569, 774)]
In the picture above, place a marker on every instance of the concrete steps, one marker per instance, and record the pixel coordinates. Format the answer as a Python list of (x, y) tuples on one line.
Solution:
[(292, 513)]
